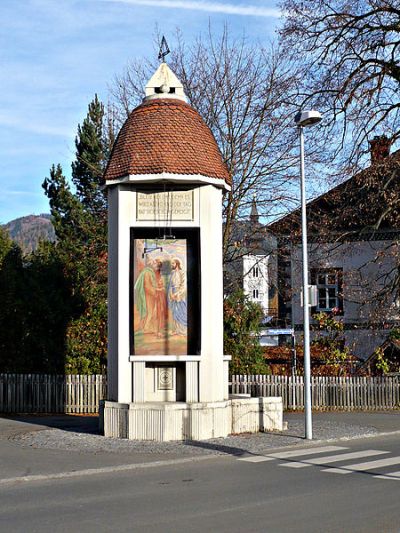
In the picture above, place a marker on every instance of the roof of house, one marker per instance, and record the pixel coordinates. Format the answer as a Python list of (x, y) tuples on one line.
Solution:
[(357, 203), (165, 135)]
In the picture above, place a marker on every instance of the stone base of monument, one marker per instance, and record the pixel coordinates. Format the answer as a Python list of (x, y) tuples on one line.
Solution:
[(164, 421)]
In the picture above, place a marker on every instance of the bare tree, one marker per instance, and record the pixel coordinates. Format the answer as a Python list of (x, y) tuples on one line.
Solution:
[(241, 91), (350, 53)]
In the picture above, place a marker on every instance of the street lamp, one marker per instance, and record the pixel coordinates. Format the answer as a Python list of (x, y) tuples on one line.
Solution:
[(302, 120)]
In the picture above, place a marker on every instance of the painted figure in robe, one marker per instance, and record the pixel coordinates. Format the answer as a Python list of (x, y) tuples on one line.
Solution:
[(161, 309), (177, 298), (145, 297)]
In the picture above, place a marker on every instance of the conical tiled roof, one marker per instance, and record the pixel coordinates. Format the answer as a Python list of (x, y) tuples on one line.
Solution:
[(165, 136)]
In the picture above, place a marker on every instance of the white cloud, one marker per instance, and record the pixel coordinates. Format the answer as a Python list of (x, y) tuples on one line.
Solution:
[(213, 7), (24, 193), (33, 126)]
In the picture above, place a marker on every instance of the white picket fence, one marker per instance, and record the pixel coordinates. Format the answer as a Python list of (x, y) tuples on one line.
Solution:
[(41, 393), (327, 393)]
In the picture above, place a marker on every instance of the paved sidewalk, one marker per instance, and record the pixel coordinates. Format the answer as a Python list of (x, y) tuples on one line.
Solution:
[(61, 445)]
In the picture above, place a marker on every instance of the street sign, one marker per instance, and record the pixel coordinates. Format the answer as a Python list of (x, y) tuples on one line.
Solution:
[(287, 331), (312, 296)]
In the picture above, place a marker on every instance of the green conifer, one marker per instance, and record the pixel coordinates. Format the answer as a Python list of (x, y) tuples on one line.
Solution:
[(80, 221), (88, 168)]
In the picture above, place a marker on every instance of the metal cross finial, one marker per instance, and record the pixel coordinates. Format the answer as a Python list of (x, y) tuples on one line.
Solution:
[(164, 49)]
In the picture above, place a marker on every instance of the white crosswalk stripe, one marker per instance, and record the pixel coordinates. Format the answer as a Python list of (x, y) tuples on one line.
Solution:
[(292, 453), (254, 459), (299, 458), (362, 467), (332, 458), (395, 476)]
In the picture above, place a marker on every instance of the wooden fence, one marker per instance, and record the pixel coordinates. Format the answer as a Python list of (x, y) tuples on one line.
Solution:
[(41, 393), (369, 393)]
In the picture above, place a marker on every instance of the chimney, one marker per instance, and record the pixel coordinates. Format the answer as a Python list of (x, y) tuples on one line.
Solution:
[(379, 148)]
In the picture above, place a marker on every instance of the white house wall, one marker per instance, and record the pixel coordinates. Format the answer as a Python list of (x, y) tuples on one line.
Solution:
[(260, 283), (368, 266)]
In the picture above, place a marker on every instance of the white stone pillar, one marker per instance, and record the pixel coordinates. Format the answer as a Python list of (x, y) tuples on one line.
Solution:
[(139, 377), (192, 381), (211, 364), (119, 367)]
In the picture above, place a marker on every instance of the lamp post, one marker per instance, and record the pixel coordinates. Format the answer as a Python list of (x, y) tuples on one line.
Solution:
[(302, 120)]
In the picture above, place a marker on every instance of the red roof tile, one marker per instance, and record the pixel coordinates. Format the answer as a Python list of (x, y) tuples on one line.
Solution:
[(165, 135)]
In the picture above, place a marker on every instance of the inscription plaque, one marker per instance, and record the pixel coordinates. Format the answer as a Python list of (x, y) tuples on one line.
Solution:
[(171, 205)]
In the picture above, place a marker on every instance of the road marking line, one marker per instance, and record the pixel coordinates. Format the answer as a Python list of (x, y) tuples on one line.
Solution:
[(361, 467), (394, 476), (291, 453), (333, 458), (254, 459)]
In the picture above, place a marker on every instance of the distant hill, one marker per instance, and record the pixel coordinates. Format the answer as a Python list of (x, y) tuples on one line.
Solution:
[(28, 231)]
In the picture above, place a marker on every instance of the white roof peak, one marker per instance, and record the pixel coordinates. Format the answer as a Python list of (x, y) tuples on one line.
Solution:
[(164, 84)]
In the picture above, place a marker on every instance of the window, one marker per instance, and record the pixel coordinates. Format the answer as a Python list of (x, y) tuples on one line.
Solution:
[(255, 272), (255, 294), (329, 286)]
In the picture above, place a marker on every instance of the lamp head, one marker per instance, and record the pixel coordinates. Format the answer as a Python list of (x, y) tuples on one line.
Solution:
[(307, 118)]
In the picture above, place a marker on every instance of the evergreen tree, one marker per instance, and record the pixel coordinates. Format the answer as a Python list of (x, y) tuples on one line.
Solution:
[(12, 308), (49, 308), (80, 222), (5, 244), (66, 210), (88, 168)]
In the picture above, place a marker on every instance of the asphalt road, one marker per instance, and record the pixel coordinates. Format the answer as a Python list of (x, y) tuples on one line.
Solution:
[(310, 490)]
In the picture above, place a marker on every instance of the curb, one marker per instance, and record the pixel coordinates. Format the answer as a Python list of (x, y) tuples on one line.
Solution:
[(172, 462), (364, 436), (103, 470)]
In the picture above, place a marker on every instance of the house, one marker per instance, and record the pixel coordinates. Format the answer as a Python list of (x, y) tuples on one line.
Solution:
[(252, 267), (251, 264), (354, 253)]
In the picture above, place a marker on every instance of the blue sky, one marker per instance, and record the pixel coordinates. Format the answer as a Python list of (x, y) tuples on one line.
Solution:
[(56, 54)]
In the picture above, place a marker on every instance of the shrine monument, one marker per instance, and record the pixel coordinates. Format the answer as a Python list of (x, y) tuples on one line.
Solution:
[(167, 373)]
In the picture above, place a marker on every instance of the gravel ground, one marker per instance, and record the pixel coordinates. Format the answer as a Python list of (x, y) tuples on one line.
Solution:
[(259, 443)]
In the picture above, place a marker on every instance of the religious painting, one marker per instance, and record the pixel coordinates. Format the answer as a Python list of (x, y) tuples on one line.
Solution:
[(160, 296)]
